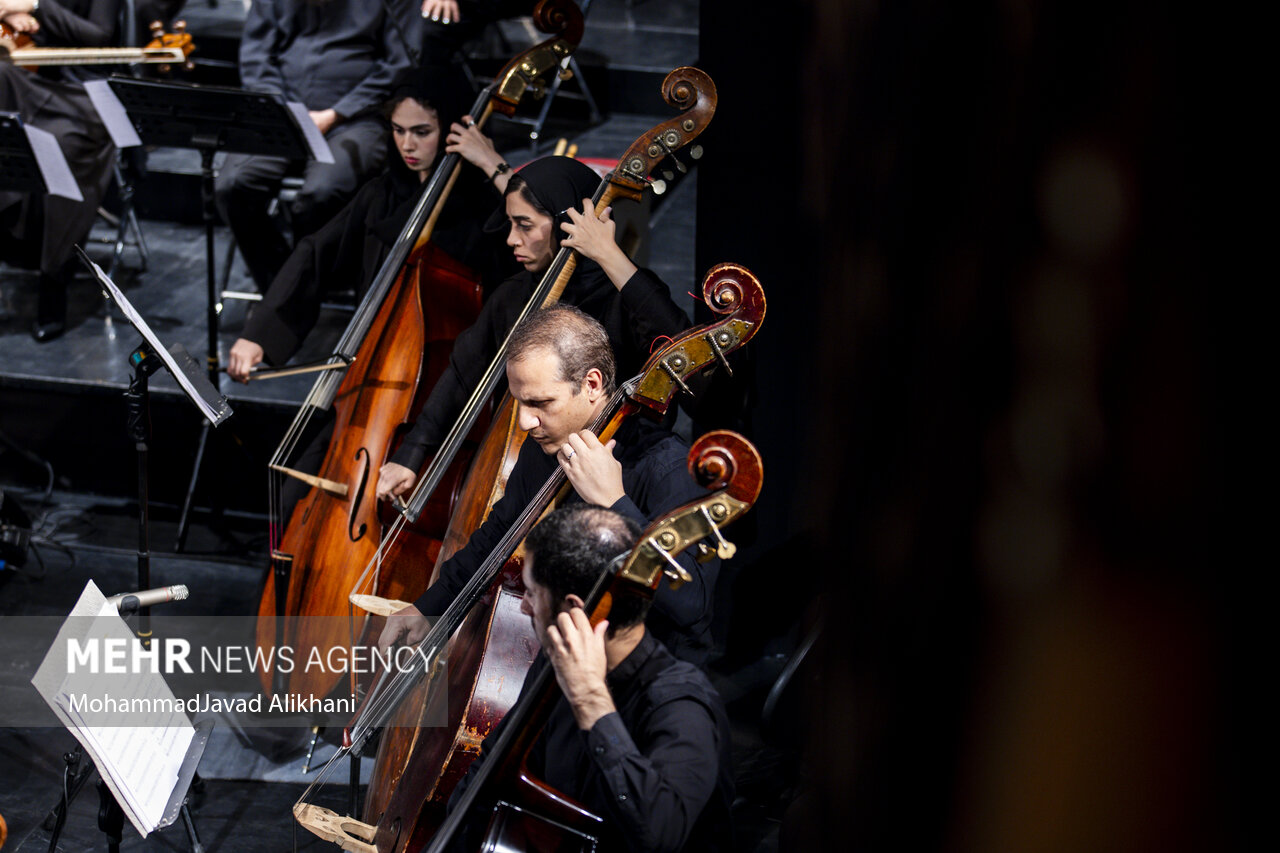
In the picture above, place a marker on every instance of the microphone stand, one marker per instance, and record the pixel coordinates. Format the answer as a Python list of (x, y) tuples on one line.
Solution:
[(138, 424)]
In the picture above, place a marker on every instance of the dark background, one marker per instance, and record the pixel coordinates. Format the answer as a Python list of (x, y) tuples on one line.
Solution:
[(986, 399)]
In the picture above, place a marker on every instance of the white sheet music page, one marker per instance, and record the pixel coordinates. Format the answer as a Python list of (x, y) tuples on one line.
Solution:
[(53, 165), (122, 713)]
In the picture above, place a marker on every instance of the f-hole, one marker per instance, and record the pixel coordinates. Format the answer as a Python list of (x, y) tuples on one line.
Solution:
[(352, 533)]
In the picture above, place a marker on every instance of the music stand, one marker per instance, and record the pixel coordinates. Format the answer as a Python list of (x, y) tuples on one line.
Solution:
[(110, 813), (146, 360), (209, 119), (31, 161)]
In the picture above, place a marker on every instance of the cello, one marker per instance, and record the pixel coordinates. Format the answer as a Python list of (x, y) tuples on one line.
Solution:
[(392, 347), (416, 769)]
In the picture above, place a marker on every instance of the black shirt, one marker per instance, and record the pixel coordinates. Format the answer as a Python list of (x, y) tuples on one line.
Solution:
[(657, 770), (655, 479)]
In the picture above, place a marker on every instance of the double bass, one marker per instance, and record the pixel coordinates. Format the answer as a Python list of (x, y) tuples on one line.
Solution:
[(397, 343), (526, 813), (416, 768), (395, 574)]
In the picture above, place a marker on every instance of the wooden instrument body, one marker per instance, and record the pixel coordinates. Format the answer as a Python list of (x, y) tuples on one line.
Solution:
[(478, 666), (436, 733), (531, 815), (444, 753), (331, 537)]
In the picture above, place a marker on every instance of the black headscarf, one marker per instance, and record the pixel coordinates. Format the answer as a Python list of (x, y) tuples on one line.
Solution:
[(557, 183)]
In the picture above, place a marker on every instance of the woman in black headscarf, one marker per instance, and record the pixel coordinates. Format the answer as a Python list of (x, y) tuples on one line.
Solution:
[(547, 204), (349, 250)]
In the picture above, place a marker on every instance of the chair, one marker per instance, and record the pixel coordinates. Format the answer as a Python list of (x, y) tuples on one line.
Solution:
[(124, 222), (342, 302), (571, 71)]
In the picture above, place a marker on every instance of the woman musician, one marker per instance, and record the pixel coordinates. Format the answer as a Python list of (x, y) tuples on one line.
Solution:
[(424, 116)]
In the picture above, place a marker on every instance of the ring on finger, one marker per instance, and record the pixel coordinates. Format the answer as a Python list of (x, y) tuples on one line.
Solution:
[(569, 454)]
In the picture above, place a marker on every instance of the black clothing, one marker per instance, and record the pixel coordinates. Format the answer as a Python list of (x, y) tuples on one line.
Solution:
[(658, 770), (344, 55), (441, 41), (655, 480), (634, 318), (246, 184), (38, 230), (350, 249), (76, 23)]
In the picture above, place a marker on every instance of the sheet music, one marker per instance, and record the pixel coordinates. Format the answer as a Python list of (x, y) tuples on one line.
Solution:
[(315, 139), (184, 369), (53, 165), (140, 764), (112, 113)]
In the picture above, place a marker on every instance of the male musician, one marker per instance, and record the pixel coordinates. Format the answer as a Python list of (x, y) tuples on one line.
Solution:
[(38, 230), (340, 58), (560, 370), (638, 737)]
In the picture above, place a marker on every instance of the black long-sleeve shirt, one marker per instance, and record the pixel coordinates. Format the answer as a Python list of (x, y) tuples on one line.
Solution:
[(634, 318), (655, 480), (77, 23), (344, 55), (349, 250), (657, 770)]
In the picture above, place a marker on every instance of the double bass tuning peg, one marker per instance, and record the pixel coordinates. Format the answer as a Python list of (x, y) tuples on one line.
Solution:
[(724, 548)]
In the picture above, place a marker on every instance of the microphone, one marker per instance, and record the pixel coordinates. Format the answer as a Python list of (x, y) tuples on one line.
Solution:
[(149, 597)]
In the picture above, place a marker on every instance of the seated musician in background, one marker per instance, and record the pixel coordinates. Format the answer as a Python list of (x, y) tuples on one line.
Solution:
[(639, 738), (546, 207), (423, 116), (449, 24), (38, 230), (340, 59), (560, 370)]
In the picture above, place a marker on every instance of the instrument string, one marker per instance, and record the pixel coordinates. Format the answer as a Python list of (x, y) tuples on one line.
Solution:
[(387, 695)]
